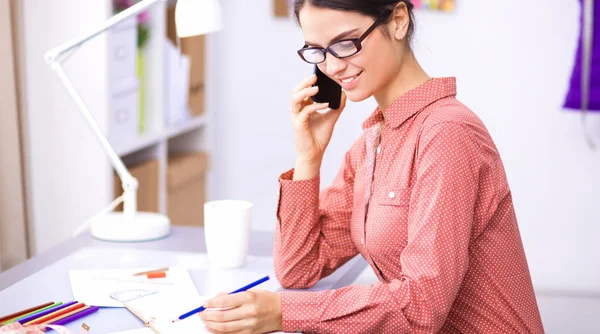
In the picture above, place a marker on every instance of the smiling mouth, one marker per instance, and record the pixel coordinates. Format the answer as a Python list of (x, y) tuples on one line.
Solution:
[(350, 79)]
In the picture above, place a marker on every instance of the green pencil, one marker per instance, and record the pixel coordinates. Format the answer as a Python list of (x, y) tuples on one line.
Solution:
[(20, 313), (30, 313)]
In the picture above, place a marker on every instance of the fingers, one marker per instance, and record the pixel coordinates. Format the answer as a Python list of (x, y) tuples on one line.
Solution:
[(243, 312), (228, 301), (302, 98), (302, 93), (234, 320), (305, 83), (309, 110)]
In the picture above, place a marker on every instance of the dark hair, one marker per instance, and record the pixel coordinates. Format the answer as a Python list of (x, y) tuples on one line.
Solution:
[(372, 8)]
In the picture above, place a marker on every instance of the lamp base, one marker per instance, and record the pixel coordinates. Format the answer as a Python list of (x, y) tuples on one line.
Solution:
[(142, 226)]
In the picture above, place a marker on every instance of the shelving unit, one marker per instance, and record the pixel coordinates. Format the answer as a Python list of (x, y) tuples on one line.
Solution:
[(150, 139), (160, 139), (69, 176)]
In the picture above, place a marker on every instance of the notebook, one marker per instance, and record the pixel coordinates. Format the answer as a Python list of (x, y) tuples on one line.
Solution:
[(158, 310)]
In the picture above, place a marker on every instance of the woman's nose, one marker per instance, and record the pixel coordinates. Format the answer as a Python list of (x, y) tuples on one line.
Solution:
[(334, 65)]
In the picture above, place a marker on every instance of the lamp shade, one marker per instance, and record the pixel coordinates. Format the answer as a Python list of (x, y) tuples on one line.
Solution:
[(575, 94), (197, 17)]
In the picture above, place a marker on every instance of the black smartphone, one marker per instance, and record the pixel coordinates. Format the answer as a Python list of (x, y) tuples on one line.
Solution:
[(329, 90)]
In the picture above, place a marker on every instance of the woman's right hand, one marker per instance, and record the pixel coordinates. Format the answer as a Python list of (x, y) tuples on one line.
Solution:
[(312, 130)]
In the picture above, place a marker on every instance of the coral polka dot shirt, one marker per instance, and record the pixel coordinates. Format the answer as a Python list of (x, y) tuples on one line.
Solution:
[(428, 205)]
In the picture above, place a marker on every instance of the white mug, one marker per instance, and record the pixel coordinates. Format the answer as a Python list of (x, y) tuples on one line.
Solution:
[(227, 225)]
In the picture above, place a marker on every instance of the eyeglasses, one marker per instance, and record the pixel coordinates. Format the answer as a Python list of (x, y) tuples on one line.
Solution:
[(341, 49)]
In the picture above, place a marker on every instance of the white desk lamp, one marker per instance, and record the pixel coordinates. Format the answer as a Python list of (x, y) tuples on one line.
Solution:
[(192, 18)]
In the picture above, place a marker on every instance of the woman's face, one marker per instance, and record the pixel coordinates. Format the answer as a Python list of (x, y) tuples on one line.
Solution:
[(369, 71)]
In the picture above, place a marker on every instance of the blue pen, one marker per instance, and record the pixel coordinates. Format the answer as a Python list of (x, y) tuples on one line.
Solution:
[(201, 308)]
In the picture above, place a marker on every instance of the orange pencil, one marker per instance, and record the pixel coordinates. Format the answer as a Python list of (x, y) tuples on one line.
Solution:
[(53, 315), (20, 313), (142, 273), (157, 274)]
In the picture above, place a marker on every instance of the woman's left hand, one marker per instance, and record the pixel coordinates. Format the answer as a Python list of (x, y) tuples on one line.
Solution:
[(253, 311)]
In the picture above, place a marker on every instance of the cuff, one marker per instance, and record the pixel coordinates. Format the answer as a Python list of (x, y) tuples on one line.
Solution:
[(298, 310), (297, 194)]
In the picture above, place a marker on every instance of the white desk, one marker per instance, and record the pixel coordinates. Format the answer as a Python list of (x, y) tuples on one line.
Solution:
[(45, 277)]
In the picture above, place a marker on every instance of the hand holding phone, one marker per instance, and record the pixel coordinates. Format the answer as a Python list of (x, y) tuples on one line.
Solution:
[(329, 90), (312, 128)]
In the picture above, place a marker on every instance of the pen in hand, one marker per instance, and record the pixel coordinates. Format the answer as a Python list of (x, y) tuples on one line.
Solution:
[(202, 308)]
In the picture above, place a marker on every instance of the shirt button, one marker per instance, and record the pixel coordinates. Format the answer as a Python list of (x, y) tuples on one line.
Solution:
[(362, 241), (391, 194), (378, 149)]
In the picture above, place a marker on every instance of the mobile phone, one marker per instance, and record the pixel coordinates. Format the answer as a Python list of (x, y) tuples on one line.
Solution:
[(329, 90)]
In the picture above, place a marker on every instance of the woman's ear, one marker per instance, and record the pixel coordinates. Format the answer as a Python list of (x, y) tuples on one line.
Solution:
[(400, 19)]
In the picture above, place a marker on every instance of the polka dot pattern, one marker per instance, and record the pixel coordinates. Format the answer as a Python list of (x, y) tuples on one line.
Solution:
[(426, 202)]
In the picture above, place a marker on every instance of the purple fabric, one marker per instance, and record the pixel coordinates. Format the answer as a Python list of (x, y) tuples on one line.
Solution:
[(573, 99)]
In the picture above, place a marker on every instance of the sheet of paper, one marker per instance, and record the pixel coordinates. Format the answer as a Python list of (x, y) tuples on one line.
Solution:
[(110, 288), (164, 307)]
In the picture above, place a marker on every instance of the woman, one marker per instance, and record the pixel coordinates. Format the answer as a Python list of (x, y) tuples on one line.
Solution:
[(422, 195)]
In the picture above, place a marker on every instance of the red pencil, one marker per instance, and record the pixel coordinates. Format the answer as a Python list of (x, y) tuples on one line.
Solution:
[(56, 314), (20, 313)]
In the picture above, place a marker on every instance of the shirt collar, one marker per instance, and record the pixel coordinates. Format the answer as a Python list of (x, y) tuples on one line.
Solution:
[(413, 101)]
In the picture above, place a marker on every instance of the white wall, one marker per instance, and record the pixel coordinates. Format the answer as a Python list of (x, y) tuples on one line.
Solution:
[(513, 61), (253, 142), (61, 151)]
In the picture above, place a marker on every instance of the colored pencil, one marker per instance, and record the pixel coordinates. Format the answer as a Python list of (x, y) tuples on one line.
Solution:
[(54, 315), (23, 312), (41, 314), (82, 313), (202, 308), (31, 313), (62, 316), (142, 273), (156, 274)]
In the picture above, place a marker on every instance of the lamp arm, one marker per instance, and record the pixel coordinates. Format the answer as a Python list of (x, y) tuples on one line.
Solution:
[(129, 183), (54, 58), (56, 53)]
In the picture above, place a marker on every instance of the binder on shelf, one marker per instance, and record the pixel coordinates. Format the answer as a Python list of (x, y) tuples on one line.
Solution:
[(124, 107), (176, 91)]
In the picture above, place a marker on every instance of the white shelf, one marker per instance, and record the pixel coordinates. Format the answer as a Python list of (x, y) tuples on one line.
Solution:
[(194, 123), (150, 139)]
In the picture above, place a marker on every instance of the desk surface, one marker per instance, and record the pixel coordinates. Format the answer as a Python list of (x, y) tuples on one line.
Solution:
[(45, 276)]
